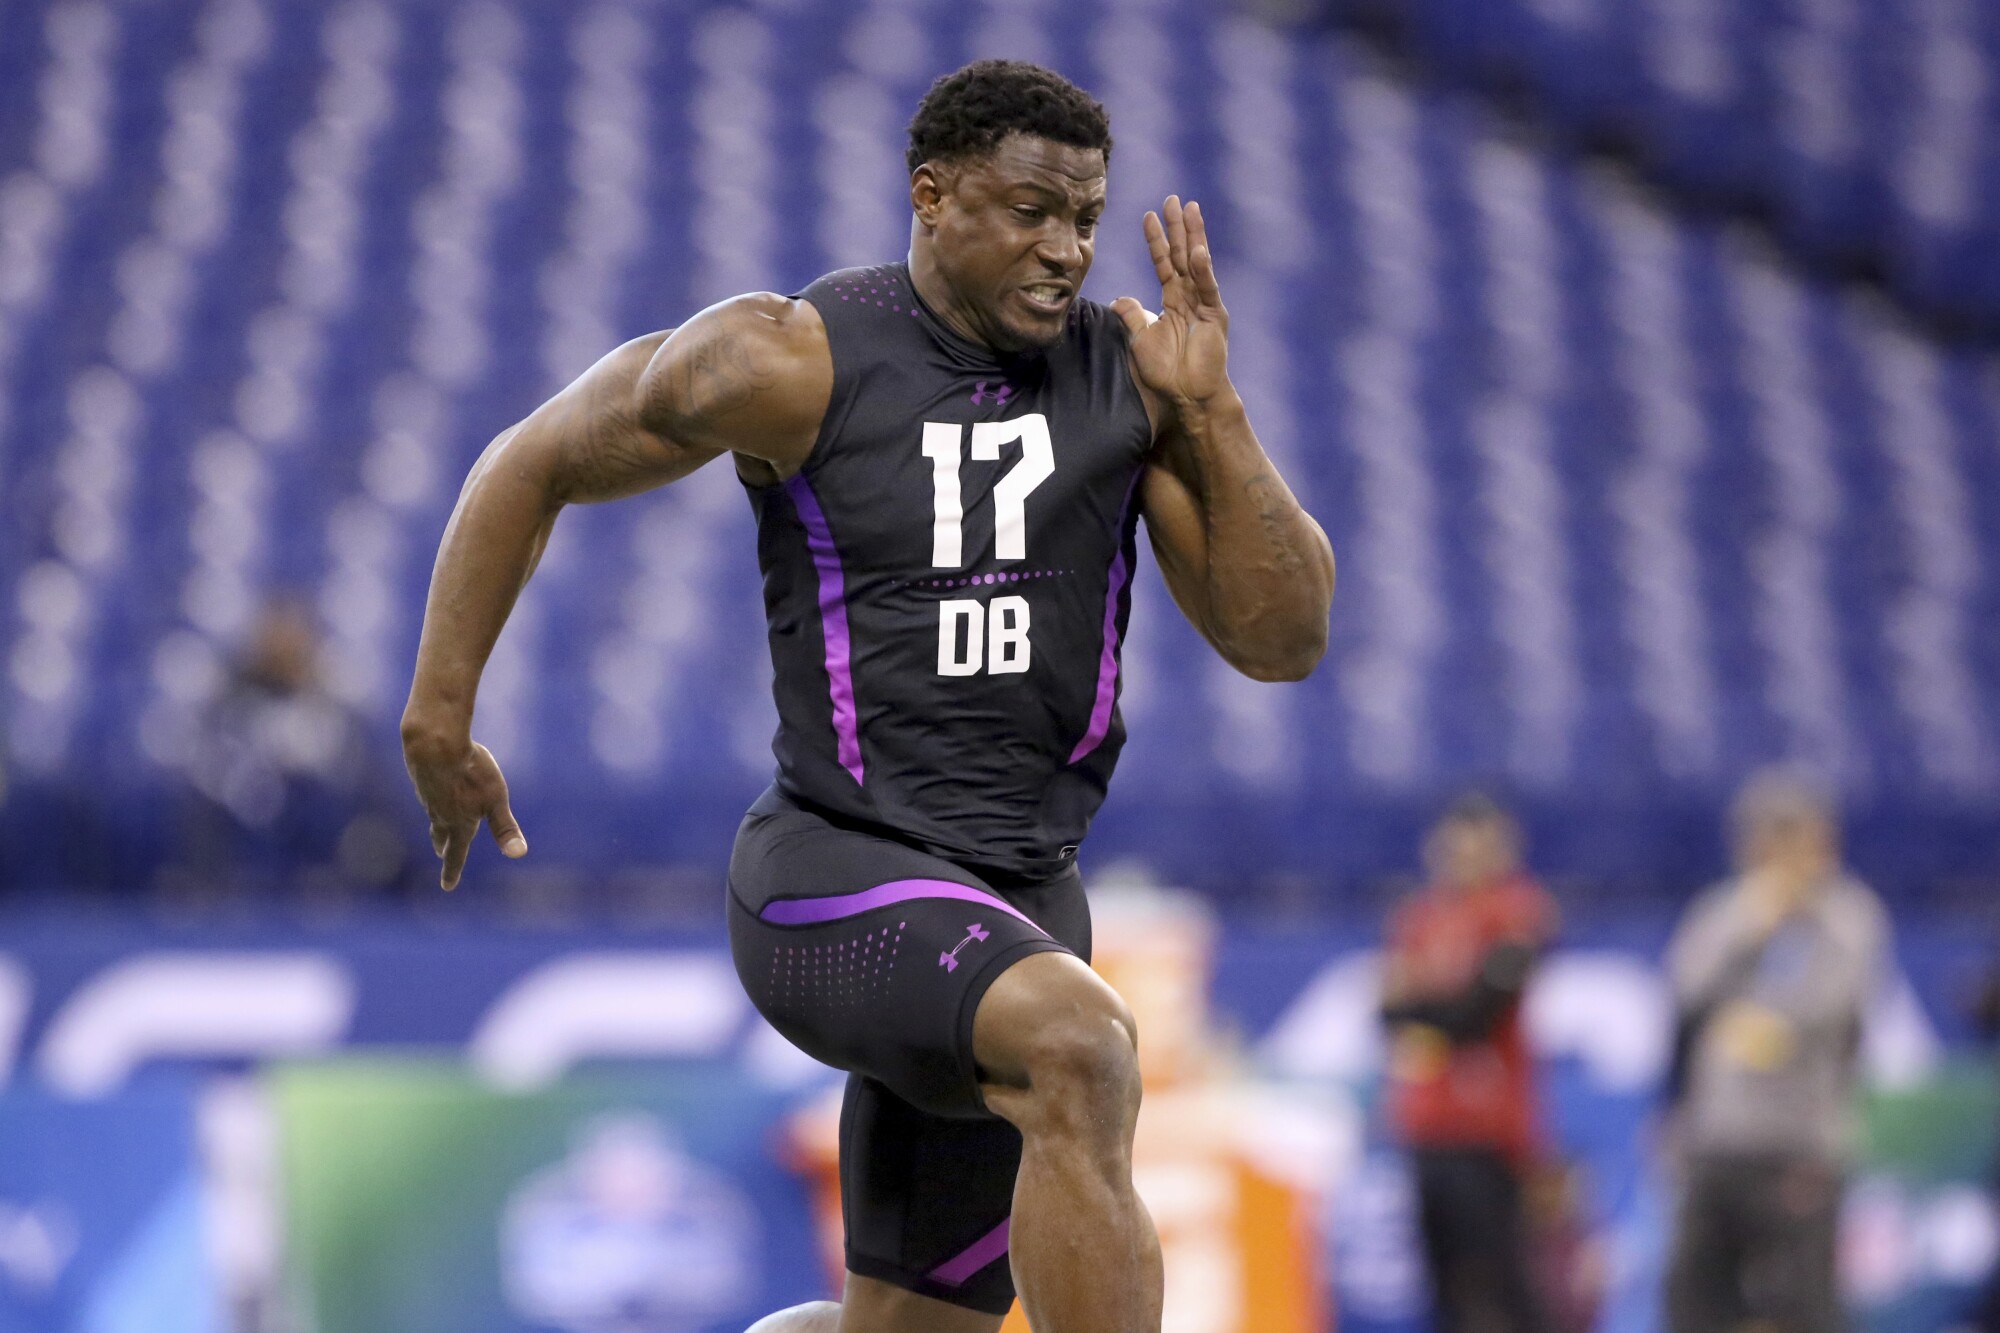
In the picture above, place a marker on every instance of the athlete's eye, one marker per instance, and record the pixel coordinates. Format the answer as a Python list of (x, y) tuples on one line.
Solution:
[(1086, 225), (1027, 212)]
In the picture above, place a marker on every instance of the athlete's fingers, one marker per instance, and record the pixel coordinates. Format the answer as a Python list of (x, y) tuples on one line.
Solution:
[(454, 858), (1201, 261), (1156, 245), (1133, 313), (439, 836), (507, 830), (1177, 244)]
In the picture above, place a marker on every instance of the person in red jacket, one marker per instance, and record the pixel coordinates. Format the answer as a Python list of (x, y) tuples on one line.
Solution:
[(1461, 1077)]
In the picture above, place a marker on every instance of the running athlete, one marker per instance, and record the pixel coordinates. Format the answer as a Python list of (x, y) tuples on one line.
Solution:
[(948, 459)]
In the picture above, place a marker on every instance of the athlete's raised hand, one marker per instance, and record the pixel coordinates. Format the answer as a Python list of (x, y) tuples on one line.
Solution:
[(1183, 353), (460, 791)]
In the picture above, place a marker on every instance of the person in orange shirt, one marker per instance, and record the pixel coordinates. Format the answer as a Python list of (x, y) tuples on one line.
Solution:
[(1461, 1077)]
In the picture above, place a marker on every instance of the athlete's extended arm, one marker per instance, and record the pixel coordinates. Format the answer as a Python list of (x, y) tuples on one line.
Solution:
[(1249, 567), (751, 376)]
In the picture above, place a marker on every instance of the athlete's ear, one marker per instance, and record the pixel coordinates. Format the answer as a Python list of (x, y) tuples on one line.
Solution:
[(927, 194)]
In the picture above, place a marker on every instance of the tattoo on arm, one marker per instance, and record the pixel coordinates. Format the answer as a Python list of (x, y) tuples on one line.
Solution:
[(630, 432), (608, 454), (613, 459), (1267, 495), (716, 376)]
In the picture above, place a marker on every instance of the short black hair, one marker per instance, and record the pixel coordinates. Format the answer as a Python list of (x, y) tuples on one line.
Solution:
[(968, 113)]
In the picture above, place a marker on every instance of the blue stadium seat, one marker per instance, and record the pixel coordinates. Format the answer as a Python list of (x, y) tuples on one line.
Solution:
[(1626, 503)]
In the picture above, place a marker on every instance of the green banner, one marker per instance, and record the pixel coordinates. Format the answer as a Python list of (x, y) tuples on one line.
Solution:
[(418, 1198)]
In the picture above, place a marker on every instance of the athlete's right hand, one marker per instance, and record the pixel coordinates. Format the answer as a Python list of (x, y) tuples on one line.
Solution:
[(460, 790)]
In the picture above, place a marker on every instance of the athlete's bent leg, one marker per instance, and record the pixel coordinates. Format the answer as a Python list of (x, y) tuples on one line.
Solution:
[(881, 960), (1058, 1057), (868, 1306)]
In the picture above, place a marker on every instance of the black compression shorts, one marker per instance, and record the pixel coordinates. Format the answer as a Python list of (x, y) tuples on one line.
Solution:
[(872, 957)]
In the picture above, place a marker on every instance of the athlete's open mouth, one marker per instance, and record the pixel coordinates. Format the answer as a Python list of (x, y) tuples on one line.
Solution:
[(1048, 297)]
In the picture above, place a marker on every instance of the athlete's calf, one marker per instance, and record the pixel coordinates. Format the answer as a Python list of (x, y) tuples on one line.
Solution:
[(1058, 1057)]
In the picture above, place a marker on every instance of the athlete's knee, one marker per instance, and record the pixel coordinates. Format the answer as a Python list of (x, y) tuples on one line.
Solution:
[(1083, 1069), (1060, 1050)]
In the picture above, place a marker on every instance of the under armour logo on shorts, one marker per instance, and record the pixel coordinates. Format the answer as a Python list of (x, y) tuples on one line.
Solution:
[(974, 932)]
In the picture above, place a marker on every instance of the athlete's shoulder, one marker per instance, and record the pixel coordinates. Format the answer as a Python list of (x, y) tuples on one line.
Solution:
[(1096, 329), (1093, 316), (777, 342), (1100, 347), (782, 323), (861, 277), (751, 374), (869, 287)]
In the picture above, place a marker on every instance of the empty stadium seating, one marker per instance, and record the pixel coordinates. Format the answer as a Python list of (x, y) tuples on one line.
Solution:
[(1625, 504), (1867, 132)]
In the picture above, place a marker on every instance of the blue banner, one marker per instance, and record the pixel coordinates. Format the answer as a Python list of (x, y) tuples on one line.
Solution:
[(101, 1226)]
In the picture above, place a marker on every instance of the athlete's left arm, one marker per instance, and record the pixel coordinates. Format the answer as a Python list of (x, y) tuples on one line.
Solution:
[(1248, 565)]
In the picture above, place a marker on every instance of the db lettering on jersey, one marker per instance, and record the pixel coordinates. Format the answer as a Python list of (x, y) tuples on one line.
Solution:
[(995, 633)]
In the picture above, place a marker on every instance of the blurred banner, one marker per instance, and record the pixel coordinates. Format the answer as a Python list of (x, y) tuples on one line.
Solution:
[(417, 1198), (1921, 1237), (101, 1227), (513, 1179)]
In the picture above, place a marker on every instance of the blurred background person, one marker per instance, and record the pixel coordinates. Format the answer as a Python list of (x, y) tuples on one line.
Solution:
[(1462, 1080), (286, 788), (1772, 971)]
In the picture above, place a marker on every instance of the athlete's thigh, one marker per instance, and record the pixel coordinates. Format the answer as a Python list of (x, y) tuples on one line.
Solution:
[(868, 1306), (870, 955)]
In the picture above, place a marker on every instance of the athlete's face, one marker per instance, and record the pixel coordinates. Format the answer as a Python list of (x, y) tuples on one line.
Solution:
[(1010, 237)]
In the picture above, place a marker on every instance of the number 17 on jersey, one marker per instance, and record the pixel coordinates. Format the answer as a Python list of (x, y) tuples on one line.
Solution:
[(991, 636)]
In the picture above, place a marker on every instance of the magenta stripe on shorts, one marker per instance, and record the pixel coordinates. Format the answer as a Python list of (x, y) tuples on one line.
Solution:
[(836, 907), (954, 1272), (833, 622)]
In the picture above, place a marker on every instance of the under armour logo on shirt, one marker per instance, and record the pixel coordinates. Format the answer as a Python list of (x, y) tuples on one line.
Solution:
[(949, 961), (998, 396)]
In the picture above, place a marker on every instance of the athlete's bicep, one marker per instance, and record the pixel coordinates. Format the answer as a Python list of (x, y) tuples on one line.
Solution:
[(751, 375), (1179, 533), (586, 444)]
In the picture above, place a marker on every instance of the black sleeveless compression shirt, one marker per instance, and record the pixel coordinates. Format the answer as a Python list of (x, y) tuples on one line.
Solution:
[(947, 579)]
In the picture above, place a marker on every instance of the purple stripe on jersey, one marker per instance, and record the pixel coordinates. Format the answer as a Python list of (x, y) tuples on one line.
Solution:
[(1107, 665), (812, 911), (833, 622), (956, 1271)]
